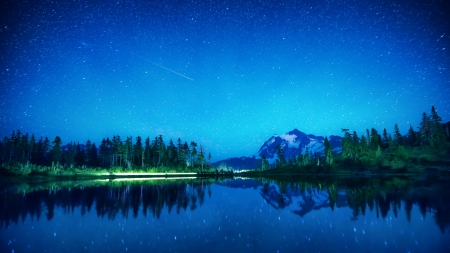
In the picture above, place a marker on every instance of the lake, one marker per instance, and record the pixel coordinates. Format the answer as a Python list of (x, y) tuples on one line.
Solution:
[(295, 214)]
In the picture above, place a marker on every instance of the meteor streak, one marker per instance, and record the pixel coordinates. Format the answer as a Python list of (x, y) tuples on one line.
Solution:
[(161, 66)]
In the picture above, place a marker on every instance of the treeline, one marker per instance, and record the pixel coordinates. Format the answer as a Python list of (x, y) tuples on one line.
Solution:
[(429, 142), (24, 149)]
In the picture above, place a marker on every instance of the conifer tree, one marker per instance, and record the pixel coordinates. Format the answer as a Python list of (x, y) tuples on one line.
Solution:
[(172, 154), (161, 149), (138, 152), (264, 163), (329, 160), (187, 154), (412, 138), (424, 130), (300, 161), (94, 156), (348, 147), (56, 150), (384, 140), (88, 149), (437, 138), (116, 143), (363, 145), (79, 156), (398, 138), (147, 151), (126, 151), (355, 141), (201, 157), (193, 153), (378, 153), (374, 139), (280, 155), (368, 136), (306, 157)]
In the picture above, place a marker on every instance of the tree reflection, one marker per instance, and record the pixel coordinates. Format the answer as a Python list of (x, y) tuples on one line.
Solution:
[(383, 196), (109, 201)]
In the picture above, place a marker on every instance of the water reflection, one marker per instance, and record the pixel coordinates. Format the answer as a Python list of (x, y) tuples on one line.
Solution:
[(109, 200), (261, 215), (388, 194)]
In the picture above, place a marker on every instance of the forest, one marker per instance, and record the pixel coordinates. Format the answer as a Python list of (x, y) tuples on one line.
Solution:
[(429, 145), (22, 154)]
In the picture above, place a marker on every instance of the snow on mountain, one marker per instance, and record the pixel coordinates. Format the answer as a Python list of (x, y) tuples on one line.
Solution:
[(296, 142), (292, 143)]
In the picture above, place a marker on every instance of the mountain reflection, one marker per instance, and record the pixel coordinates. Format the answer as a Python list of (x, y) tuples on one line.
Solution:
[(109, 201), (383, 196)]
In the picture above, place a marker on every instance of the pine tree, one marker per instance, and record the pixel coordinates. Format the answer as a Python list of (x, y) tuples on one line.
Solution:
[(280, 155), (172, 154), (201, 157), (161, 149), (306, 157), (363, 145), (138, 152), (300, 161), (329, 160), (187, 154), (94, 156), (378, 153), (424, 130), (147, 151), (374, 139), (32, 148), (437, 138), (88, 149), (56, 150), (115, 149), (193, 153), (264, 163), (398, 138), (79, 156), (348, 146), (384, 140), (368, 136), (412, 138), (355, 141)]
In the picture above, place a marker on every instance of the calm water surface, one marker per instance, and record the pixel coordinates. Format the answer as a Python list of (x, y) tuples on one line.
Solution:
[(241, 215)]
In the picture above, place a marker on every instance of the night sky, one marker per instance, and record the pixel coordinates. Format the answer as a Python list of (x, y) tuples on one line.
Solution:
[(226, 74)]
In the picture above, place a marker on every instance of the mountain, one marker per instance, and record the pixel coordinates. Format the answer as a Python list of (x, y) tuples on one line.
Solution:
[(238, 163), (296, 142), (292, 144)]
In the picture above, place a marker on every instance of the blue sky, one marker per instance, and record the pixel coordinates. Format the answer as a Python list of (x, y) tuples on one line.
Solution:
[(227, 74)]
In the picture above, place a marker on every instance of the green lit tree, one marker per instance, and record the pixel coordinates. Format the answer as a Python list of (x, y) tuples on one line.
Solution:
[(329, 159)]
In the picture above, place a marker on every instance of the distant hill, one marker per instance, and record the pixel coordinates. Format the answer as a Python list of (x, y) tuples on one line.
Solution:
[(292, 143), (238, 163)]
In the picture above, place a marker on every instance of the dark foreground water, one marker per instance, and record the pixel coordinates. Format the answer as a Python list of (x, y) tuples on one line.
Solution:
[(242, 215)]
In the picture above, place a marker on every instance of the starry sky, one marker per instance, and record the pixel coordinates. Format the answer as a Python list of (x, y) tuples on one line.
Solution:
[(226, 74)]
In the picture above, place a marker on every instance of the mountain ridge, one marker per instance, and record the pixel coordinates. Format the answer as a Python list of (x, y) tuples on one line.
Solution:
[(292, 143)]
